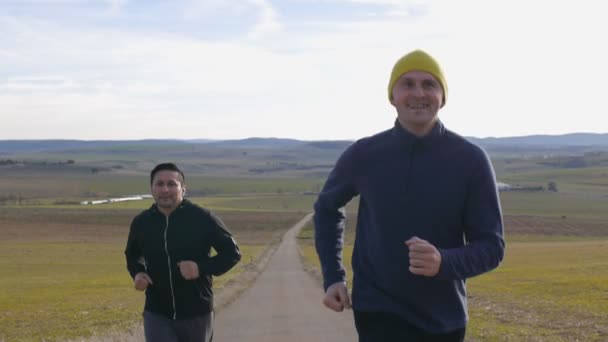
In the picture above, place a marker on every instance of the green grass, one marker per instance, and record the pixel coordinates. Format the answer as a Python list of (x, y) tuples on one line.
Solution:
[(582, 182), (68, 279), (54, 291), (298, 203), (544, 238), (80, 184), (64, 274), (553, 205), (260, 202), (547, 289), (61, 290), (553, 291)]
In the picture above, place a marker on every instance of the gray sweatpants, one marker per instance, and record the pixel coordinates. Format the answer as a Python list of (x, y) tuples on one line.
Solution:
[(158, 328)]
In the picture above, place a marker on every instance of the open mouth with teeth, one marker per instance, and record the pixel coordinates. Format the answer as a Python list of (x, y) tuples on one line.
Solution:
[(419, 106)]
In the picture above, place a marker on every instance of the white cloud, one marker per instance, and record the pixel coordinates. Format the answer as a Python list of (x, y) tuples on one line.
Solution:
[(37, 84), (267, 19), (509, 73), (44, 2), (251, 19), (116, 6), (194, 9)]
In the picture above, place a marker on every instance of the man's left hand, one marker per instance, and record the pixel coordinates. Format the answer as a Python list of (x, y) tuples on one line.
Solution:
[(188, 269), (425, 259)]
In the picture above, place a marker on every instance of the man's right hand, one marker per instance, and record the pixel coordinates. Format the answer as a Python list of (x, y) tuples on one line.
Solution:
[(336, 297), (142, 281)]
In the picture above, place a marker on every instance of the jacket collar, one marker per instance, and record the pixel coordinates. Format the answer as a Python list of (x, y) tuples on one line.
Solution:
[(154, 208), (407, 138)]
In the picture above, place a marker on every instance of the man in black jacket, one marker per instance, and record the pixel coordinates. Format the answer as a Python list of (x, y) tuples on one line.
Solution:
[(168, 256)]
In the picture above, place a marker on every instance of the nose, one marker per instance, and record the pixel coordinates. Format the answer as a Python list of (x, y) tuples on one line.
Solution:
[(418, 91), (163, 188)]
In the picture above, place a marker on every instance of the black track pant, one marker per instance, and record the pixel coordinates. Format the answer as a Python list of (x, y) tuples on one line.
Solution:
[(388, 327), (158, 328)]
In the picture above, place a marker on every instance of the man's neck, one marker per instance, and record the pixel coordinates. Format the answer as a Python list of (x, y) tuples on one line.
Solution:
[(167, 211), (418, 130)]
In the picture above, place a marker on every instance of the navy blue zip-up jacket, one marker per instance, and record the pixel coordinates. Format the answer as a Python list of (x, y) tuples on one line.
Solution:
[(155, 245), (439, 187)]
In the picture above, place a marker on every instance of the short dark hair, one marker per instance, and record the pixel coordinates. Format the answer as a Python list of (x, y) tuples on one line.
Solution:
[(166, 166)]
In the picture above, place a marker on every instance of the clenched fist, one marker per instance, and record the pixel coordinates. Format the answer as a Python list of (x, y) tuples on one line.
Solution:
[(188, 269), (425, 259), (336, 297), (141, 281)]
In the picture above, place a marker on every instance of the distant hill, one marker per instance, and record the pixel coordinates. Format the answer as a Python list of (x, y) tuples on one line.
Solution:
[(252, 156), (20, 146), (546, 141), (567, 142), (255, 143), (573, 139), (28, 146), (331, 144), (266, 156)]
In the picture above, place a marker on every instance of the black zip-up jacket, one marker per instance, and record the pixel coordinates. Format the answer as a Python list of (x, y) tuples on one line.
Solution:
[(157, 243)]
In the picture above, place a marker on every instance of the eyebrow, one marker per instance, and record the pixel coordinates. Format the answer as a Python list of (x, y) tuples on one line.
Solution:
[(169, 181), (429, 79)]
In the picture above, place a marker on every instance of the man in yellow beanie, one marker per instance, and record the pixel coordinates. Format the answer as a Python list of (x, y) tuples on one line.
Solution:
[(429, 217)]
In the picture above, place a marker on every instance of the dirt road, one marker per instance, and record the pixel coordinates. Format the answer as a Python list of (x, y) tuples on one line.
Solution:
[(284, 304)]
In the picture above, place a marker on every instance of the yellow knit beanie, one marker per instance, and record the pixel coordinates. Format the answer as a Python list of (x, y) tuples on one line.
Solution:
[(420, 61)]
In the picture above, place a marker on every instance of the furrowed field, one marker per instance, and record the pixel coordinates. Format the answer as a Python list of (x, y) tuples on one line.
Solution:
[(553, 282)]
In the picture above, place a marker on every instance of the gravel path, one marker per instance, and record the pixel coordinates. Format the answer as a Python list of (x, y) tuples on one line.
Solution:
[(284, 304)]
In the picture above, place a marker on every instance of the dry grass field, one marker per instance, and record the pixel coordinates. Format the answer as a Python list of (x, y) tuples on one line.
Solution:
[(64, 275), (552, 285)]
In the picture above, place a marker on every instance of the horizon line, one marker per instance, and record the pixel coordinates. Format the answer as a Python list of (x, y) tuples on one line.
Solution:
[(279, 138)]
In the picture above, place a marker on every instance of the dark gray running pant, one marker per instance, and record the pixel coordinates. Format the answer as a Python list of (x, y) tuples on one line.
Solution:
[(159, 328)]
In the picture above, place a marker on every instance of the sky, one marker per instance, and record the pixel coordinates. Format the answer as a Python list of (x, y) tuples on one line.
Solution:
[(303, 69)]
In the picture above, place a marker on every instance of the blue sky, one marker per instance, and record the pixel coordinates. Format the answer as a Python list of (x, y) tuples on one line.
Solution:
[(306, 69)]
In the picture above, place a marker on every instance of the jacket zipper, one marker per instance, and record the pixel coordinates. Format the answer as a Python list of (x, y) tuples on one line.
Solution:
[(408, 169), (169, 264)]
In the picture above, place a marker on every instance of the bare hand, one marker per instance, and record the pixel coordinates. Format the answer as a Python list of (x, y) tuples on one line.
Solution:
[(188, 269), (425, 259), (336, 297), (142, 280)]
